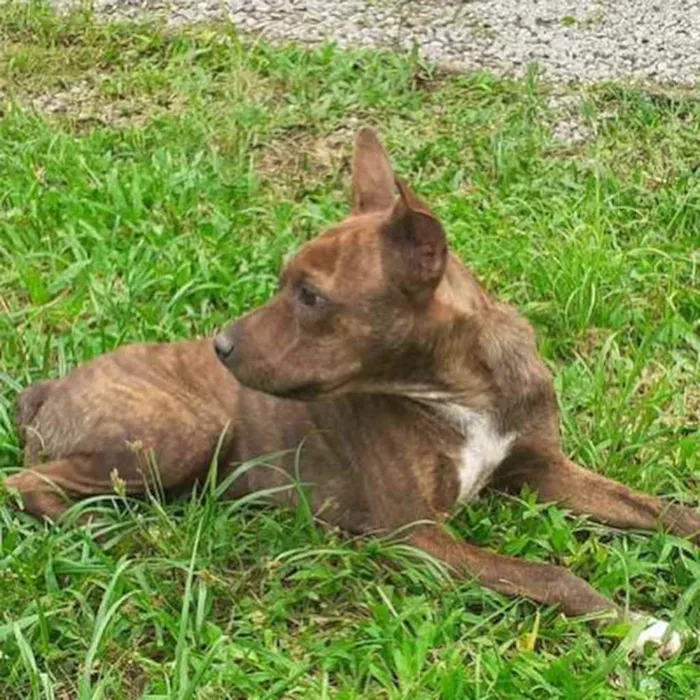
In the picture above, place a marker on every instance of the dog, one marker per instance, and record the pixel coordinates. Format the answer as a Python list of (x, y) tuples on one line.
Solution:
[(408, 386)]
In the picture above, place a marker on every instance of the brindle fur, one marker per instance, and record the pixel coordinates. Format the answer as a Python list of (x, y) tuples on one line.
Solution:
[(374, 331)]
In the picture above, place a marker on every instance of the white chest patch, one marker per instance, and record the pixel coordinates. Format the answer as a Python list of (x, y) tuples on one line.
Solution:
[(483, 450)]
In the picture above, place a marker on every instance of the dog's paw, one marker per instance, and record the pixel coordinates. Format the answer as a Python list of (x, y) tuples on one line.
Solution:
[(656, 632)]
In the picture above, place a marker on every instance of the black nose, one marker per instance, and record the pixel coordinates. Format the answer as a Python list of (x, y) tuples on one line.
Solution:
[(223, 345)]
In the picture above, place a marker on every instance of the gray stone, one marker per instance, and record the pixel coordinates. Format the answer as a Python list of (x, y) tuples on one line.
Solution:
[(571, 41)]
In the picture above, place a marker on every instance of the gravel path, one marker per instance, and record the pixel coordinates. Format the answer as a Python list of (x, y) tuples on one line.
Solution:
[(572, 41)]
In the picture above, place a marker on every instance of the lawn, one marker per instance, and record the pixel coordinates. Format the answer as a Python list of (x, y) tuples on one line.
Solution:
[(151, 182)]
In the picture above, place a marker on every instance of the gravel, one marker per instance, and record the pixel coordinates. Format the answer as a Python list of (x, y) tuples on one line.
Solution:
[(580, 42)]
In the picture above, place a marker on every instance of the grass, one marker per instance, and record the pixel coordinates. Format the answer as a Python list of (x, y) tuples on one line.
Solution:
[(150, 183)]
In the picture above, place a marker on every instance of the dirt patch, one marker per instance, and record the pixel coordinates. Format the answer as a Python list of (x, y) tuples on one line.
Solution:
[(681, 409), (302, 152), (85, 102), (568, 125), (692, 405), (592, 341)]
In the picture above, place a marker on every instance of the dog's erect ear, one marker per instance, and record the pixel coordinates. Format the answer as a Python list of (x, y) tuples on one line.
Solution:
[(418, 239), (372, 177)]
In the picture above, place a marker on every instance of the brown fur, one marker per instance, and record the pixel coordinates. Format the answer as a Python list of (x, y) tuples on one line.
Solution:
[(375, 335)]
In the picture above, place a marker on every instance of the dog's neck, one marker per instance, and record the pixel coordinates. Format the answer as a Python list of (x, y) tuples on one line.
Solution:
[(450, 409), (460, 290)]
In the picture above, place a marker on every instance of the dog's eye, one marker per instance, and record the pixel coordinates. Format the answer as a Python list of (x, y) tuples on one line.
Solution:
[(308, 297)]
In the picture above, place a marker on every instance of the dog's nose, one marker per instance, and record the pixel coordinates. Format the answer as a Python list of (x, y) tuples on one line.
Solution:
[(223, 345)]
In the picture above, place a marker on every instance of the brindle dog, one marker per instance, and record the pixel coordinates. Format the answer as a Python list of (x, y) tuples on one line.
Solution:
[(410, 387)]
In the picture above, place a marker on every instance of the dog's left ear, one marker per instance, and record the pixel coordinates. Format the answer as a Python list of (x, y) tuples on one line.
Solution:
[(417, 239)]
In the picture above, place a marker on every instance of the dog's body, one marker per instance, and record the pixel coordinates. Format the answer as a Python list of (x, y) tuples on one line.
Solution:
[(376, 461), (384, 373)]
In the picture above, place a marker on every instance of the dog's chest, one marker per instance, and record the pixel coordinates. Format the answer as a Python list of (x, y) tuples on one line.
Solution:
[(483, 449)]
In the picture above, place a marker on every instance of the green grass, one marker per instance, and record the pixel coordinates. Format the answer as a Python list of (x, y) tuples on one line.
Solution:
[(150, 184)]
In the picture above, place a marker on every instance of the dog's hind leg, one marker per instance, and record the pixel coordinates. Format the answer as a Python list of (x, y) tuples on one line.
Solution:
[(587, 493), (47, 490)]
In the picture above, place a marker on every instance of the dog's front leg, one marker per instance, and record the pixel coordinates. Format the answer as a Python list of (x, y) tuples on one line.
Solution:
[(543, 583), (605, 500)]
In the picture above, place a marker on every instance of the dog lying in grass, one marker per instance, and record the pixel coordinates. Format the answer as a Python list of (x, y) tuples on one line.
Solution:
[(409, 386)]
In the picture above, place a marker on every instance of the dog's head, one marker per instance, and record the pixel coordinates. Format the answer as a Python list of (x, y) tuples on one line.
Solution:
[(361, 308)]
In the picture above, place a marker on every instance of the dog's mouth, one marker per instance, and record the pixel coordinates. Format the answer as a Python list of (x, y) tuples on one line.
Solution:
[(302, 391), (312, 391)]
